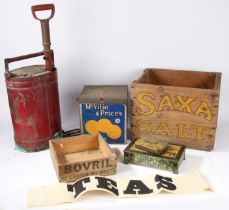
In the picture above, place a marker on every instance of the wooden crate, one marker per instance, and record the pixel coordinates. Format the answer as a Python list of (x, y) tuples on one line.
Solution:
[(79, 156), (179, 107)]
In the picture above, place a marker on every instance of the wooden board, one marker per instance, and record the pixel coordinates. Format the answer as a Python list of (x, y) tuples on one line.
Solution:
[(79, 156), (179, 107)]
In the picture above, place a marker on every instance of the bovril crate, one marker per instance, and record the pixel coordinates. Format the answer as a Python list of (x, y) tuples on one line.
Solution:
[(79, 156), (179, 107)]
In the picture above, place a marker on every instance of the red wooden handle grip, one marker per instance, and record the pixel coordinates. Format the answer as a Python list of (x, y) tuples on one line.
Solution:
[(43, 7)]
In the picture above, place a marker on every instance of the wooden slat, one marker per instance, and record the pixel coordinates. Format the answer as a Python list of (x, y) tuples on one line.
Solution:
[(156, 106)]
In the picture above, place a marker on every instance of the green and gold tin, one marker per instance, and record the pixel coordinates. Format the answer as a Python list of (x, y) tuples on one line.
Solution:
[(169, 160)]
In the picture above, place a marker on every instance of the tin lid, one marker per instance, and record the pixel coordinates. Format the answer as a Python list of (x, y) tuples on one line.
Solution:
[(29, 71), (172, 152), (104, 94), (151, 145)]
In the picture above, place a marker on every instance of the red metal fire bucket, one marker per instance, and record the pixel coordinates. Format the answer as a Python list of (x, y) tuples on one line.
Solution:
[(33, 95)]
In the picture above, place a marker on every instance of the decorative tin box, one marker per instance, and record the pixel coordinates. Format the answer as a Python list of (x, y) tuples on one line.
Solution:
[(178, 107), (103, 108), (151, 146), (170, 160), (79, 156)]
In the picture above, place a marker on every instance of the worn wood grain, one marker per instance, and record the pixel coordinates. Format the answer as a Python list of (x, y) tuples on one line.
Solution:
[(179, 107), (79, 156)]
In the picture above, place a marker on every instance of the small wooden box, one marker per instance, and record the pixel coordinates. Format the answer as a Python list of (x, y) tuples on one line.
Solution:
[(179, 107), (103, 108), (79, 156), (170, 160)]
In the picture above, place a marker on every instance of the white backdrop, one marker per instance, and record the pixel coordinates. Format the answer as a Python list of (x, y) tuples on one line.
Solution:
[(112, 41)]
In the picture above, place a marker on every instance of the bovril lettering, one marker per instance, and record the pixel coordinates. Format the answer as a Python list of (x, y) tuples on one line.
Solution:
[(91, 165)]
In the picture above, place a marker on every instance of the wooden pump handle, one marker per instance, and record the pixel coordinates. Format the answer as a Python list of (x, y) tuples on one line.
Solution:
[(43, 7), (48, 53)]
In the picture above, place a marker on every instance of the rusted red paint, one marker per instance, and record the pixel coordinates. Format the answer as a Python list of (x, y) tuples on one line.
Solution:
[(35, 110), (48, 53), (33, 94)]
